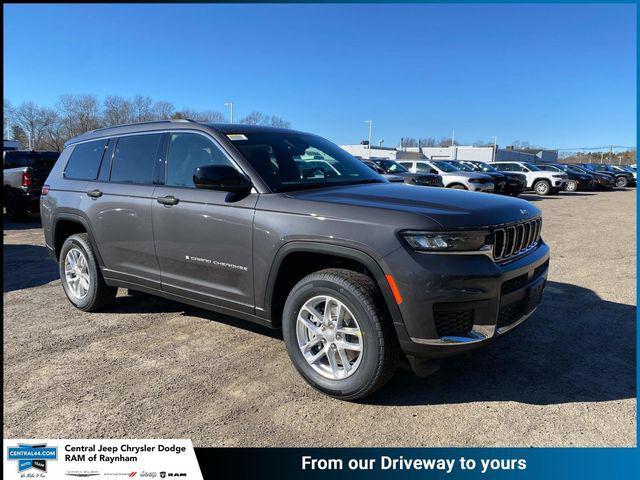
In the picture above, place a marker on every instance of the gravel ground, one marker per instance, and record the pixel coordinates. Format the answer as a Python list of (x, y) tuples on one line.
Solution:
[(151, 368)]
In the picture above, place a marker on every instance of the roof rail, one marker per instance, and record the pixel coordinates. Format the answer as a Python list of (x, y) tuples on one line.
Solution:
[(143, 123)]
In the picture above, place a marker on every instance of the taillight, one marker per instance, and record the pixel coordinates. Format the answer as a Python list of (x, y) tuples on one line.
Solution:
[(27, 179), (45, 189)]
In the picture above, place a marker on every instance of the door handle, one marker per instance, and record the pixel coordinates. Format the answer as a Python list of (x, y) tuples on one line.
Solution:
[(94, 193), (168, 200)]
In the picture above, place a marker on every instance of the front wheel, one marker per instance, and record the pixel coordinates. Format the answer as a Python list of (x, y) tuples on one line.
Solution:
[(542, 187), (80, 273), (458, 187), (338, 334)]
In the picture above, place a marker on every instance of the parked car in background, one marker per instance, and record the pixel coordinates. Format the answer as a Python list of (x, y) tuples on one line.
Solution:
[(577, 180), (516, 183), (428, 179), (622, 179), (24, 173), (626, 168), (359, 273), (543, 182), (604, 181), (372, 165), (451, 176)]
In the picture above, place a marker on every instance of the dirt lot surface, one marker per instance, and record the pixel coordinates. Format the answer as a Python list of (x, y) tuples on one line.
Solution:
[(151, 368)]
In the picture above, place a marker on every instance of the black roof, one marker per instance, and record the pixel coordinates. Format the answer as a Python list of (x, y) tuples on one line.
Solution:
[(223, 128)]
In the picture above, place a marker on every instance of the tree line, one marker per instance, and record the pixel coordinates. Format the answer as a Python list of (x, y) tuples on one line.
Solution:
[(48, 128)]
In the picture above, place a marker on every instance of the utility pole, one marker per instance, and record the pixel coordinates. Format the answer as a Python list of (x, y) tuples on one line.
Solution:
[(610, 153), (453, 142), (230, 105), (370, 122), (601, 156)]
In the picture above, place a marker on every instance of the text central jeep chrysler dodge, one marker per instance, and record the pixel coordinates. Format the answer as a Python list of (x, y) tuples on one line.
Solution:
[(355, 269)]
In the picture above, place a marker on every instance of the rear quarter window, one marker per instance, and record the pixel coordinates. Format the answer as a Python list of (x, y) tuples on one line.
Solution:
[(84, 163)]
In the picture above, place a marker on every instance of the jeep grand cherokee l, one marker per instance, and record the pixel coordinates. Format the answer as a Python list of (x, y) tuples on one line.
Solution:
[(356, 270)]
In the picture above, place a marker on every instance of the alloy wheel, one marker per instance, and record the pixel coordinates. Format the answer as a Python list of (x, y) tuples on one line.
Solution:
[(329, 337), (76, 273)]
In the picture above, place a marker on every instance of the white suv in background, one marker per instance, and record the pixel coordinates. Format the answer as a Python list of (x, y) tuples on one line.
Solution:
[(541, 181), (451, 176)]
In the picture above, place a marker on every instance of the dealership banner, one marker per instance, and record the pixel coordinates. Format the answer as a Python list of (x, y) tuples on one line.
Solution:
[(171, 458), (95, 458)]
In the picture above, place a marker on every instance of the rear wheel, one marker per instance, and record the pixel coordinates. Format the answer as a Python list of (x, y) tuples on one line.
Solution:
[(622, 181), (338, 334), (572, 186), (542, 187), (81, 277)]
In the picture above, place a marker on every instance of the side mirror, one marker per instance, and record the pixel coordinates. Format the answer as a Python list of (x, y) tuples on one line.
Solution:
[(223, 178)]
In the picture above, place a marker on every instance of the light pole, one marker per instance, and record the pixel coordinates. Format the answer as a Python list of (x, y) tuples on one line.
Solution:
[(230, 105), (495, 147), (370, 122)]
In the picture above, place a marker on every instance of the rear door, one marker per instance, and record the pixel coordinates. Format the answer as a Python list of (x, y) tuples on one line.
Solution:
[(118, 207), (203, 238)]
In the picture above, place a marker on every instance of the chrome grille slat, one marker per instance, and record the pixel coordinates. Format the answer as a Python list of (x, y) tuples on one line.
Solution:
[(513, 240)]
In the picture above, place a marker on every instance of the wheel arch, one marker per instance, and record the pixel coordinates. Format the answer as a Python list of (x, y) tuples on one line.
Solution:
[(279, 280), (66, 224)]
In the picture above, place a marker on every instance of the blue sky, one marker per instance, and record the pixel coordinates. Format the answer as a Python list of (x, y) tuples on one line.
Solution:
[(554, 75)]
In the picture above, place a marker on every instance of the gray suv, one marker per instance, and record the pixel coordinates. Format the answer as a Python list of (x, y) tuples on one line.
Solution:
[(288, 230)]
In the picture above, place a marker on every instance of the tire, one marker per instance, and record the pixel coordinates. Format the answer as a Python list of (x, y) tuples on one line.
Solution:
[(542, 187), (622, 181), (98, 293), (15, 208), (458, 187), (572, 186), (361, 301)]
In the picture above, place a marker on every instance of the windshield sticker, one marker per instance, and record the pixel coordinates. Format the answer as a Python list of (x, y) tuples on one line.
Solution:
[(236, 136)]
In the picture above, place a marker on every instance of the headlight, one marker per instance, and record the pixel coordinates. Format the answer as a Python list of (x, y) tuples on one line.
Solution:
[(559, 176), (464, 241)]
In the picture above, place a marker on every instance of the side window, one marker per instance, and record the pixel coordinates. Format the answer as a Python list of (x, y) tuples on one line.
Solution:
[(188, 151), (85, 161), (134, 158), (422, 167), (505, 167)]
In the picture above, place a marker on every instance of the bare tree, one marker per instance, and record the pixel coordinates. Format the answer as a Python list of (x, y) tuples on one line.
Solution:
[(142, 108), (52, 135), (408, 142), (427, 142), (447, 142), (209, 116), (254, 118), (259, 118), (79, 114), (28, 117), (163, 110), (8, 113), (117, 110)]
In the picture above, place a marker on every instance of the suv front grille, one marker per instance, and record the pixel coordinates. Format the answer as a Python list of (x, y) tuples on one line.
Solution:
[(516, 239), (452, 322)]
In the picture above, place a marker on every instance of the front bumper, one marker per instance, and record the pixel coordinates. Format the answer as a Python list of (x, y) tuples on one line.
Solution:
[(481, 187), (477, 299)]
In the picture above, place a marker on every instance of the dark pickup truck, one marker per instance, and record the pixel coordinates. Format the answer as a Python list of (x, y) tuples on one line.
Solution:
[(24, 174)]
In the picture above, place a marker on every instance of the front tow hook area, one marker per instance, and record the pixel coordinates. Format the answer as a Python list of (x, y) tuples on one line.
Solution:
[(423, 367)]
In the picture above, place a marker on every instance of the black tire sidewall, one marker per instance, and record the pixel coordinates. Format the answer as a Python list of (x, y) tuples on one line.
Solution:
[(78, 242), (371, 348)]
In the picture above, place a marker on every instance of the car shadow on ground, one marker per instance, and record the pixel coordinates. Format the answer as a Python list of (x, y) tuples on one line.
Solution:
[(27, 223), (27, 266), (575, 348)]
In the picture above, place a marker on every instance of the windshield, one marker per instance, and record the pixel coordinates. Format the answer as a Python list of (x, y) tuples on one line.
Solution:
[(531, 167), (294, 161), (462, 166), (444, 166), (485, 167), (390, 166), (553, 168)]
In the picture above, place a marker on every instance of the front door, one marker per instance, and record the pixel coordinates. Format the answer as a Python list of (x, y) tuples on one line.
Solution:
[(203, 238)]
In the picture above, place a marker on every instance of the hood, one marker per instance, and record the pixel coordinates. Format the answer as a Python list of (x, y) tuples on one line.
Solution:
[(447, 207)]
